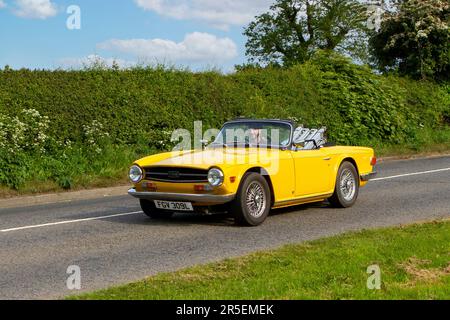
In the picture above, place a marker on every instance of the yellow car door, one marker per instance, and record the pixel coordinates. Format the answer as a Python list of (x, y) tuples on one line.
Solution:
[(313, 172)]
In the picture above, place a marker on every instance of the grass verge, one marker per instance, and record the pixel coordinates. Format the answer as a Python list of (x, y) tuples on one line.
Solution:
[(414, 262)]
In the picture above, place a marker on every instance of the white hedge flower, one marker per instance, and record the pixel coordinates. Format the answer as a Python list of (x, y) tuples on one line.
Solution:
[(24, 132), (95, 135)]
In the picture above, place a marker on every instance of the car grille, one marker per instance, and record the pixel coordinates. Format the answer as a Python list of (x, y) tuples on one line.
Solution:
[(180, 175)]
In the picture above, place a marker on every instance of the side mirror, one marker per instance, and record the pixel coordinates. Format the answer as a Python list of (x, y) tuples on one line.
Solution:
[(204, 143)]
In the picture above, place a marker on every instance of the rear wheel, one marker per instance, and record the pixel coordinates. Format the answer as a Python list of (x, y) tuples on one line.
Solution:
[(252, 203), (347, 186), (151, 211)]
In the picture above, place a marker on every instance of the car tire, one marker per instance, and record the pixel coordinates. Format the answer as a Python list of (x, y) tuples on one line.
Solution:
[(151, 211), (253, 201), (347, 186)]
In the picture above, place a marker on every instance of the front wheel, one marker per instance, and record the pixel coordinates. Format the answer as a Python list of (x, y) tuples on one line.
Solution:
[(151, 211), (347, 186), (253, 200)]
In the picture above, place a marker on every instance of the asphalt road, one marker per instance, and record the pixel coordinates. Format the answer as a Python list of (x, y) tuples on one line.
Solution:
[(37, 244)]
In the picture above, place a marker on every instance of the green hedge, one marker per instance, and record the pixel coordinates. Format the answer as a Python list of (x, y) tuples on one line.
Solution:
[(138, 107), (139, 104)]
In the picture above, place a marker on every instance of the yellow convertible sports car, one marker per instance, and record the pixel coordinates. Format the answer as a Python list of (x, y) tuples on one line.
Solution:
[(251, 167)]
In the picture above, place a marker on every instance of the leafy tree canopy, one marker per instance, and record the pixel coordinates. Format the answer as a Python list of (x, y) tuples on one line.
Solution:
[(414, 39), (293, 30)]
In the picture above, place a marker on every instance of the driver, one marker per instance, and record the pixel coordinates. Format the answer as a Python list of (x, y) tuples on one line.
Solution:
[(257, 136)]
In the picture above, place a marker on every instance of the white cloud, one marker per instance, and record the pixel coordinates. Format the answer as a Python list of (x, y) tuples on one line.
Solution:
[(196, 47), (2, 4), (35, 9), (221, 14), (92, 61)]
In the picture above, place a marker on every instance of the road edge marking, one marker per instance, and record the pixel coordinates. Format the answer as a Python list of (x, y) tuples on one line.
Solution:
[(410, 174), (69, 221), (62, 197)]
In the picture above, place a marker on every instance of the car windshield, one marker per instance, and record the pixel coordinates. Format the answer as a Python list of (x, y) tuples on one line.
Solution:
[(255, 134)]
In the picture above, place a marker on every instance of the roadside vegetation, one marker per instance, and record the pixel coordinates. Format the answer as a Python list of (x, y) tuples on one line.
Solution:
[(72, 129), (414, 262)]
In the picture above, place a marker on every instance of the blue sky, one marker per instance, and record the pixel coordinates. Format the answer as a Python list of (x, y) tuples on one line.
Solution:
[(195, 33)]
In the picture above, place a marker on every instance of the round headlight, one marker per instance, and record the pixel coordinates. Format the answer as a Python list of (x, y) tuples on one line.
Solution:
[(215, 177), (135, 174)]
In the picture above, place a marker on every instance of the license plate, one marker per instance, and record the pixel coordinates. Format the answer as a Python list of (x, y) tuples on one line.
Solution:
[(175, 206)]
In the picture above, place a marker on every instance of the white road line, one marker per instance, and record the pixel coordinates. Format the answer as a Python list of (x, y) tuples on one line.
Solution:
[(70, 221), (136, 212), (410, 174)]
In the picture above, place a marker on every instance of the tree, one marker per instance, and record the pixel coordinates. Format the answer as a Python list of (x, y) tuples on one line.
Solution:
[(293, 30), (414, 39)]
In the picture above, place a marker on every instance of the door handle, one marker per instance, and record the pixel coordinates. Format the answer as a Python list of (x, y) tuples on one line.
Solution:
[(327, 159)]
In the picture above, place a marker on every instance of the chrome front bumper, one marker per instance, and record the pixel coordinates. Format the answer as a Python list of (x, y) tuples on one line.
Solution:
[(195, 198)]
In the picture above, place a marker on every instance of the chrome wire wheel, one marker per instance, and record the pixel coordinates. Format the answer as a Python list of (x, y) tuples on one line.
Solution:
[(348, 185), (255, 199), (251, 205)]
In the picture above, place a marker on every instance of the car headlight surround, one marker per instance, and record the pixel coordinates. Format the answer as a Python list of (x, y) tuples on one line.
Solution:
[(215, 177), (135, 174)]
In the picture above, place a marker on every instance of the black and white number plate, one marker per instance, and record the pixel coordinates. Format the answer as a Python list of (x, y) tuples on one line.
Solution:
[(176, 206)]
